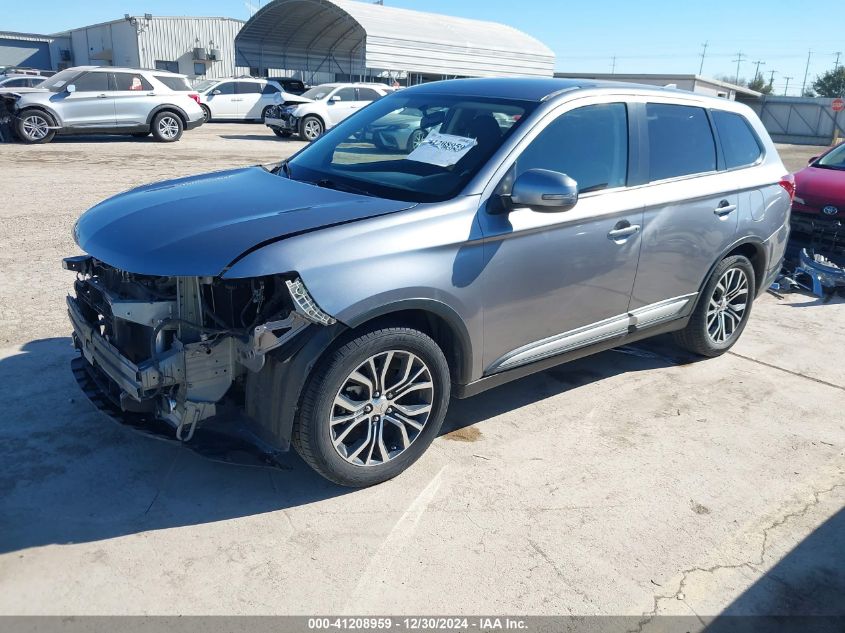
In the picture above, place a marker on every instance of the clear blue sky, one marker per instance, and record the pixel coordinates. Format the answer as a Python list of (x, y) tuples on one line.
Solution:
[(663, 36)]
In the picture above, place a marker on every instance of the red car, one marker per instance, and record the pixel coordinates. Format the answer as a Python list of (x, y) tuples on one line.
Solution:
[(818, 210)]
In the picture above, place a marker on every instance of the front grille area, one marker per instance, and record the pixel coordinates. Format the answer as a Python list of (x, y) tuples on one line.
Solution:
[(823, 234)]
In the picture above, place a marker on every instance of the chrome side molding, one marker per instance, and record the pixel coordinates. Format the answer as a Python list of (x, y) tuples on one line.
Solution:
[(647, 316)]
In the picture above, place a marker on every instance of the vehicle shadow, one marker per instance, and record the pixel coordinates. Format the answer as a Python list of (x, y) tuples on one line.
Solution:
[(256, 137), (804, 591), (69, 474)]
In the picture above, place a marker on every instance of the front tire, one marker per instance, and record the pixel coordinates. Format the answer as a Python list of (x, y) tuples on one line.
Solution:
[(311, 128), (206, 113), (167, 127), (35, 126), (723, 309), (373, 406)]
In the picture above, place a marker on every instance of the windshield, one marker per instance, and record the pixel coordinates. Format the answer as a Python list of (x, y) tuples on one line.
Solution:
[(411, 147), (205, 85), (317, 92), (834, 159), (60, 81)]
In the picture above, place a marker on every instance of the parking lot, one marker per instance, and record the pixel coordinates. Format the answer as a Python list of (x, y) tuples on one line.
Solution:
[(637, 482)]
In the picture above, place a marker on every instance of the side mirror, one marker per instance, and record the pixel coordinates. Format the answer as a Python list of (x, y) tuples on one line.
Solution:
[(334, 99), (544, 190), (216, 92), (812, 160), (70, 89)]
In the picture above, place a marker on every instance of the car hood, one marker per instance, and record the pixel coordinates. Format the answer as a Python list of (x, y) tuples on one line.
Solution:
[(821, 186), (198, 226)]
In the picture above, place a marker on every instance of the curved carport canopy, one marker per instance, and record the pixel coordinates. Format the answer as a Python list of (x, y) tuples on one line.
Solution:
[(321, 40)]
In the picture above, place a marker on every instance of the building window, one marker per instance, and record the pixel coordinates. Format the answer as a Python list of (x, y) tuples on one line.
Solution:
[(254, 72), (171, 67), (199, 69)]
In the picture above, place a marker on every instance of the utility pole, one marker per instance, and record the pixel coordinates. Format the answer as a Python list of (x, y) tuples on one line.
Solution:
[(806, 73), (772, 77), (613, 65), (836, 63), (757, 71), (703, 55), (740, 57), (785, 90)]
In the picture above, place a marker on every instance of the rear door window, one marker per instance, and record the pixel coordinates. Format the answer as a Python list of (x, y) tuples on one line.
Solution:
[(368, 94), (248, 88), (739, 143), (680, 140), (131, 81)]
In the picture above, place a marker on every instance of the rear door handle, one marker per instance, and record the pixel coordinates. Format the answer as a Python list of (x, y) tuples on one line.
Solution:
[(622, 231), (724, 208)]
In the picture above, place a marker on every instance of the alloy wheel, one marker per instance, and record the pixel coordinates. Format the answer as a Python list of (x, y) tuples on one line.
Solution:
[(168, 127), (381, 408), (35, 127), (312, 129), (727, 306)]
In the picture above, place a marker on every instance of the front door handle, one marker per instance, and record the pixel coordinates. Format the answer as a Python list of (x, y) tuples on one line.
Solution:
[(724, 208), (102, 96), (622, 231)]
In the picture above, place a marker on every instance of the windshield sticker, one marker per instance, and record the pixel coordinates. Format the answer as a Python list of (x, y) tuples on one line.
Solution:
[(443, 150)]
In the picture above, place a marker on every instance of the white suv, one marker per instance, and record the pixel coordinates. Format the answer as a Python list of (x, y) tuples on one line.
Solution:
[(107, 100), (238, 98), (321, 108)]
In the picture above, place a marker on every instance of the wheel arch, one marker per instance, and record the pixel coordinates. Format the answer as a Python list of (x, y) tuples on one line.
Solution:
[(755, 252), (167, 107), (434, 318), (44, 109)]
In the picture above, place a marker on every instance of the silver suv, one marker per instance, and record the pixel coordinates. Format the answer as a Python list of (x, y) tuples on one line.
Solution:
[(105, 100), (338, 300)]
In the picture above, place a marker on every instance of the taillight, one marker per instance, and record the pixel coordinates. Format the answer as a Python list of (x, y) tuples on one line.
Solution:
[(195, 97), (788, 183)]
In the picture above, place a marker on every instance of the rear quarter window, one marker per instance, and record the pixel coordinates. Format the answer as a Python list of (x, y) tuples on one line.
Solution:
[(739, 143), (680, 141), (179, 84)]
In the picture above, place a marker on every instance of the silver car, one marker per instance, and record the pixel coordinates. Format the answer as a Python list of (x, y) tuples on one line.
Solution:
[(337, 301), (106, 100)]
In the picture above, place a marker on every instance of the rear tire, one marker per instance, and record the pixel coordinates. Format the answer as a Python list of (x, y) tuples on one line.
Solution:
[(391, 421), (33, 127), (167, 127), (722, 310)]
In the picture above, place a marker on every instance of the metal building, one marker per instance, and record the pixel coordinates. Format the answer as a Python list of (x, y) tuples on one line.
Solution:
[(29, 50), (331, 40), (199, 47), (693, 83)]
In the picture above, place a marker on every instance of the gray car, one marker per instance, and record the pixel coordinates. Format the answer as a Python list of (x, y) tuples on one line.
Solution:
[(106, 100), (337, 301)]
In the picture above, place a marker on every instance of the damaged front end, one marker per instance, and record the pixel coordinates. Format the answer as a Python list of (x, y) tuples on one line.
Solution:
[(184, 350)]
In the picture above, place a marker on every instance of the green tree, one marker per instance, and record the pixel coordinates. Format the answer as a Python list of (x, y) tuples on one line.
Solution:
[(831, 84), (759, 84)]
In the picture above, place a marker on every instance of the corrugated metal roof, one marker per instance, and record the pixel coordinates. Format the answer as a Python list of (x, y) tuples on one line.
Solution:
[(25, 37), (290, 32)]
